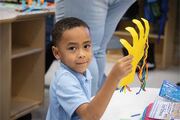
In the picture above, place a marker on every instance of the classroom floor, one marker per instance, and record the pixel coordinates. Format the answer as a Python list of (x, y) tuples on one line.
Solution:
[(155, 78)]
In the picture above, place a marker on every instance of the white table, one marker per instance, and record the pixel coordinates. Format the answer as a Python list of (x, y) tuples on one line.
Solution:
[(123, 105)]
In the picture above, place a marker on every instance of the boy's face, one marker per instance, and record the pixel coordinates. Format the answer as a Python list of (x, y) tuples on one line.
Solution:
[(75, 49)]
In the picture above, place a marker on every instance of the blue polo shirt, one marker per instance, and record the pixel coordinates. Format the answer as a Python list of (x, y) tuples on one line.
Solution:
[(68, 90)]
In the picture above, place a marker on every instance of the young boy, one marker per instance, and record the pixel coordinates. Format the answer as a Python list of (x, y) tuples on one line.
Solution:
[(70, 90)]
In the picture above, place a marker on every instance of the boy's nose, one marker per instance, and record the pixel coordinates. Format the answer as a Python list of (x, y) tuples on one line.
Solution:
[(81, 54)]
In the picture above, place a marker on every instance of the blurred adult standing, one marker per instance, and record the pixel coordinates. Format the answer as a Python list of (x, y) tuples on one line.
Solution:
[(102, 16)]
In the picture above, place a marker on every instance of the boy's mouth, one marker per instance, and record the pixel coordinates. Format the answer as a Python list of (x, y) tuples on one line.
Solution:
[(83, 62)]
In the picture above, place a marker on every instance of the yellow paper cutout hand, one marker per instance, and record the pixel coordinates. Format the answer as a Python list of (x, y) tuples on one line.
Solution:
[(137, 49)]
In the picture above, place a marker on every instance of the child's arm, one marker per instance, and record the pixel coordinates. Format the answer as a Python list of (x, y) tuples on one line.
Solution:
[(95, 109)]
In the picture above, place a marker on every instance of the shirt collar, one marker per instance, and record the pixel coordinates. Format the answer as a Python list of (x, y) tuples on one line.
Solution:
[(84, 77)]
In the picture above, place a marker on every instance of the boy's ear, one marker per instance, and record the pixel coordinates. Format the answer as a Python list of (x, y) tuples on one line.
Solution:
[(56, 52)]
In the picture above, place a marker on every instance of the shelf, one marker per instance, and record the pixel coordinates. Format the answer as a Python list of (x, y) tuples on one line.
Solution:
[(22, 65), (21, 106), (23, 51), (27, 83)]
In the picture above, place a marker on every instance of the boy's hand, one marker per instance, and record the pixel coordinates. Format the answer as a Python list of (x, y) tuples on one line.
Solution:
[(122, 68)]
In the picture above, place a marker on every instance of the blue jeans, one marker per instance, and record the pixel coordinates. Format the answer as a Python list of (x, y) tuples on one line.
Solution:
[(102, 16)]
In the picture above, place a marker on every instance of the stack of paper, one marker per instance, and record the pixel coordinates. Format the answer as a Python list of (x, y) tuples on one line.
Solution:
[(163, 109), (167, 105)]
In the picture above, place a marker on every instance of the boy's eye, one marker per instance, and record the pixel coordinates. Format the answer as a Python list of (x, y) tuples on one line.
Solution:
[(72, 48), (87, 46)]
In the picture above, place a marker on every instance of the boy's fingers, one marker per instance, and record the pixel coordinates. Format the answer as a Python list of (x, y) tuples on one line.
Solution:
[(128, 71), (129, 57), (126, 58), (127, 66)]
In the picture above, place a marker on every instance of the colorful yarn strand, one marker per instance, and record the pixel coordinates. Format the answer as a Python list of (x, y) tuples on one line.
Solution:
[(143, 70)]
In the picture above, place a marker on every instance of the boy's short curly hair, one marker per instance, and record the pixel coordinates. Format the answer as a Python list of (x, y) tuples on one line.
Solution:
[(65, 24)]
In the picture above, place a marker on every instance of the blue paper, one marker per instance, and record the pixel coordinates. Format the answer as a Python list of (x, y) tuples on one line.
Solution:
[(170, 91)]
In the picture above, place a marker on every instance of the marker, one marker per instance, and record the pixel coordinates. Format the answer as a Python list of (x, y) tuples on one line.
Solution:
[(135, 115)]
